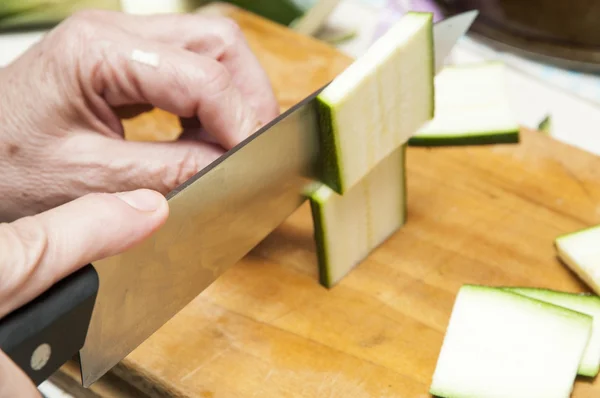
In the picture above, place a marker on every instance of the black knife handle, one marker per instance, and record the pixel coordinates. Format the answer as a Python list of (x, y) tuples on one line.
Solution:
[(45, 333)]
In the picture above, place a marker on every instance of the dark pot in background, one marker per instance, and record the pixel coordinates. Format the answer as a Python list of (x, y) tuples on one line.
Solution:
[(561, 32)]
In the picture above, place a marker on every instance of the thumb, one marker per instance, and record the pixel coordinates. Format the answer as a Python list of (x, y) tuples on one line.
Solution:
[(19, 385), (38, 251)]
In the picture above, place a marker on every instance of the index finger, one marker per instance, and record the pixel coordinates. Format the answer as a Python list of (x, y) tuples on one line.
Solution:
[(122, 69), (216, 37)]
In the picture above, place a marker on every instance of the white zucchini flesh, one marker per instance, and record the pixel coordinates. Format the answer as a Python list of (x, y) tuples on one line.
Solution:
[(471, 107), (148, 7), (500, 344), (584, 303), (348, 228), (378, 102), (580, 251)]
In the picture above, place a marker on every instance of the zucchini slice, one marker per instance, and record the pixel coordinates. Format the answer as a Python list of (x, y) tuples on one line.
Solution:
[(378, 102), (580, 251), (471, 107), (584, 303), (504, 345), (347, 228)]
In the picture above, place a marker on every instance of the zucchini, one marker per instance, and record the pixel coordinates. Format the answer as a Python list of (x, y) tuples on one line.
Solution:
[(580, 251), (347, 228), (161, 6), (505, 345), (471, 107), (34, 14), (545, 126), (378, 102), (315, 13), (584, 303)]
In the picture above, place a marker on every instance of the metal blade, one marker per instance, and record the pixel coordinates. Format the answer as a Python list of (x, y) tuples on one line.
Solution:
[(215, 219), (447, 32)]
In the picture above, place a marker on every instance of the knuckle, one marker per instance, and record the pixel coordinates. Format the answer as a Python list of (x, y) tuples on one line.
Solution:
[(81, 24), (217, 78), (231, 27), (74, 31), (25, 242), (230, 32), (184, 168)]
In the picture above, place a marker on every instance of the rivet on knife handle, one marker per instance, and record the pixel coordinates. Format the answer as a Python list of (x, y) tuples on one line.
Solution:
[(45, 333)]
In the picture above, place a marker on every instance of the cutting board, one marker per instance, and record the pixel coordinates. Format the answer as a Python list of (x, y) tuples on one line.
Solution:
[(266, 328)]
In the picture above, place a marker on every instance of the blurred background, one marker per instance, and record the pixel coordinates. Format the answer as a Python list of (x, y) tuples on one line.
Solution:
[(551, 48)]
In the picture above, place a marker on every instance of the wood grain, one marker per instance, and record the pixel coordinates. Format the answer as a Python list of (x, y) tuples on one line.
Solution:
[(266, 328)]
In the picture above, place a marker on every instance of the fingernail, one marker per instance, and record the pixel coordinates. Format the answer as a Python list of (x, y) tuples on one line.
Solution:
[(142, 199)]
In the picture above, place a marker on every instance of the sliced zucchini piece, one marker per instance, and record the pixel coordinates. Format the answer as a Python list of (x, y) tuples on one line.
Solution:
[(545, 126), (580, 251), (504, 345), (471, 107), (315, 14), (347, 228), (378, 102), (584, 303)]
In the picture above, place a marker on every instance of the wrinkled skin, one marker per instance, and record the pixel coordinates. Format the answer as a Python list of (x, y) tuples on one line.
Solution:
[(72, 190), (60, 136)]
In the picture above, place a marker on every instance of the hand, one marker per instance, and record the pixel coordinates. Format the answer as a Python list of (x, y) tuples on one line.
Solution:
[(60, 134), (38, 251)]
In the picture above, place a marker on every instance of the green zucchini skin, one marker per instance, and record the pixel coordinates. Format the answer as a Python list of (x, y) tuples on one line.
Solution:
[(331, 161), (500, 137), (489, 334), (360, 114), (323, 199), (584, 303), (473, 108), (320, 242)]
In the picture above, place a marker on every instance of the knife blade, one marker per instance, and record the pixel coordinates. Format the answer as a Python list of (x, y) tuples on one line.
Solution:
[(108, 308)]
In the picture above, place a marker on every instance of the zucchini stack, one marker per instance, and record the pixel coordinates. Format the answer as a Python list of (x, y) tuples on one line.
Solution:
[(367, 115), (512, 342)]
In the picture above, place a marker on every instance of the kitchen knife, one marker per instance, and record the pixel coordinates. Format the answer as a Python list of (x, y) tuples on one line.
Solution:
[(105, 310)]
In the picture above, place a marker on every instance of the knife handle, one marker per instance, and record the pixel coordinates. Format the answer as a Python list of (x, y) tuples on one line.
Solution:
[(45, 333)]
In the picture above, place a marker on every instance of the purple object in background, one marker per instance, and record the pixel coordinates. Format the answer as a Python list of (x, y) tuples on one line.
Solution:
[(394, 9)]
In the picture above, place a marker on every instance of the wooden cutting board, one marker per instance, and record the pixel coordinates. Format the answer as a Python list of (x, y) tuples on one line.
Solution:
[(483, 215)]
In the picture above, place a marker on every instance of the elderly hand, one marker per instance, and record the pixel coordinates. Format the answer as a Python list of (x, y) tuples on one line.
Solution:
[(60, 133), (38, 251)]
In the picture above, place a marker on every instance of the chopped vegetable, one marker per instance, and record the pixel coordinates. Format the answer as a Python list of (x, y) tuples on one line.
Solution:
[(580, 251), (337, 37), (471, 107), (378, 102), (505, 345), (584, 303), (18, 14), (347, 228), (160, 6), (314, 14), (545, 125)]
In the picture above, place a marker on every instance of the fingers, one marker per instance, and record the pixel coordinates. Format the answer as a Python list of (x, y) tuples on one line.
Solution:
[(112, 165), (130, 70), (37, 251), (216, 37), (13, 382)]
